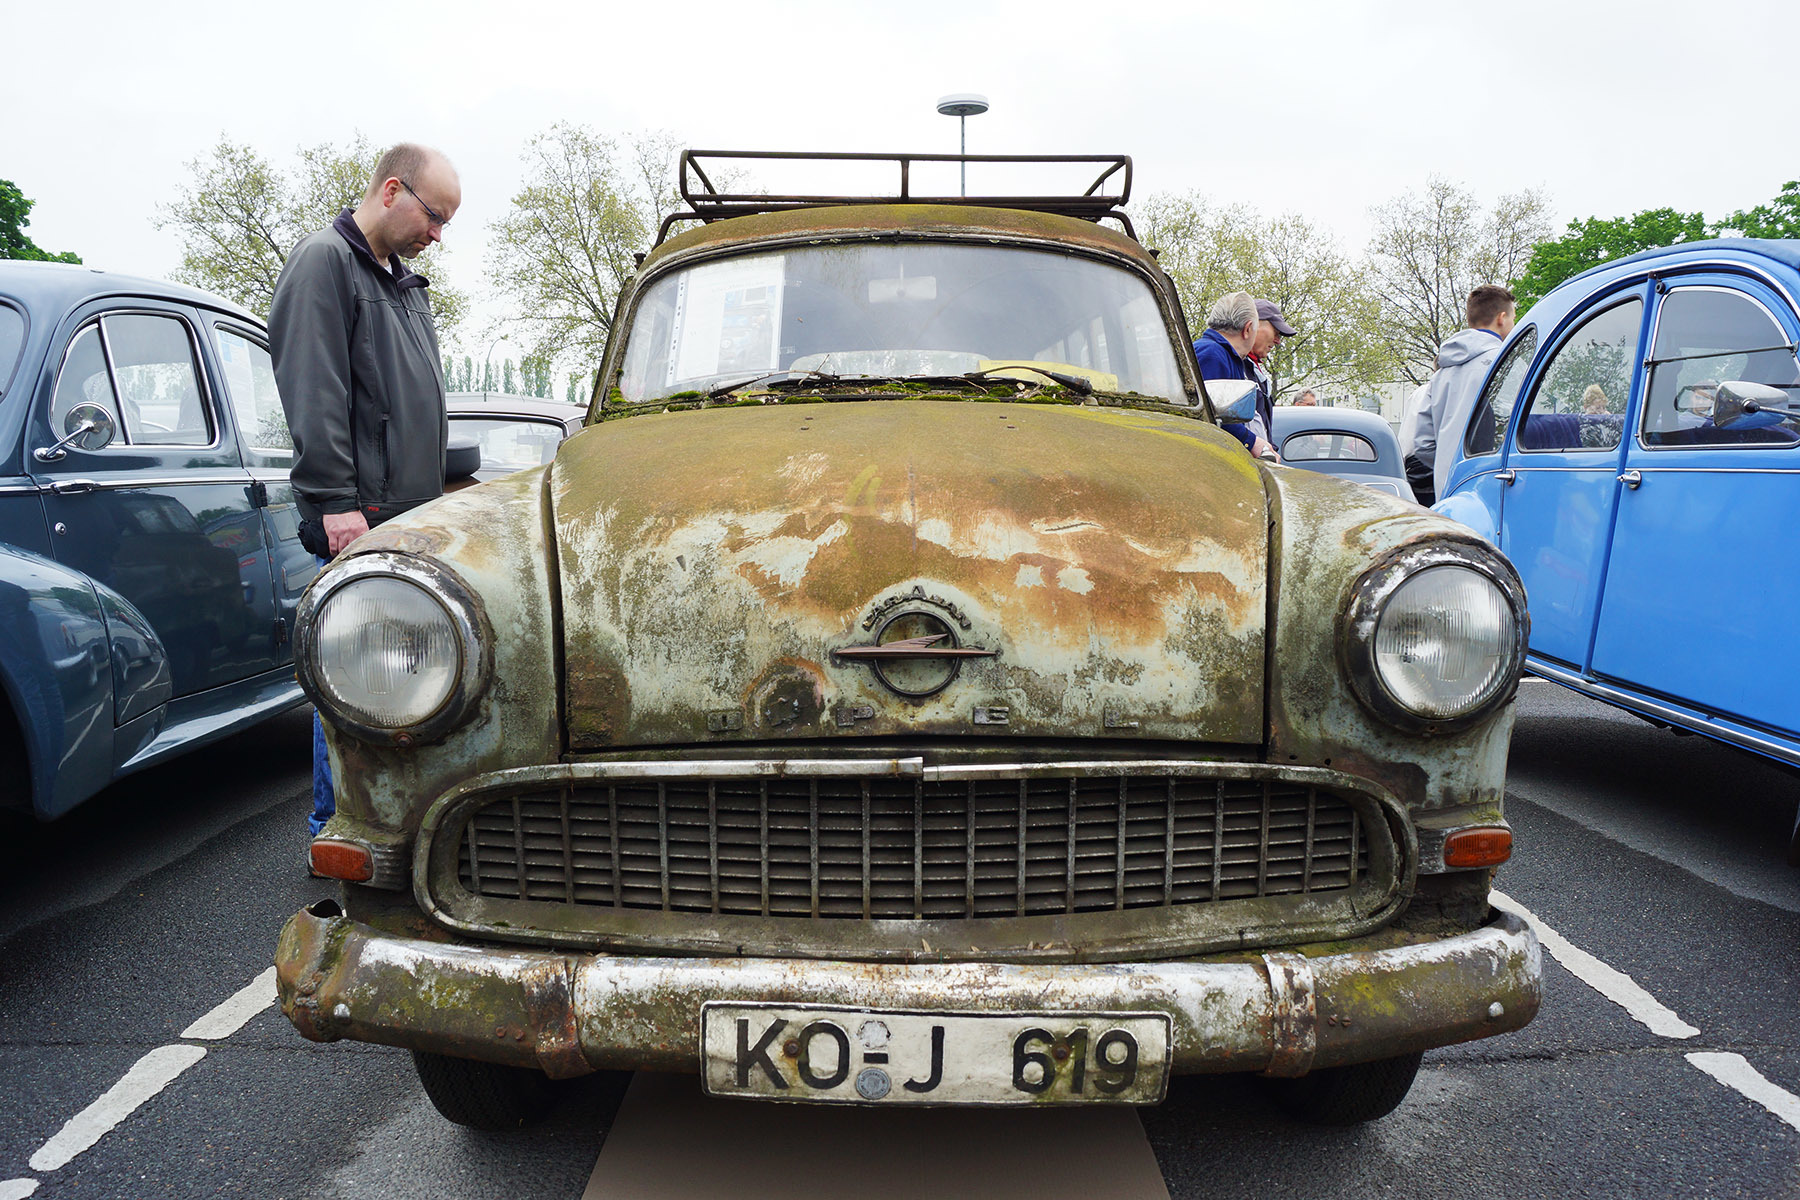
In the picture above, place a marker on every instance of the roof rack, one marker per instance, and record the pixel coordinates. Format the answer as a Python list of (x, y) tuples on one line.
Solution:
[(706, 203)]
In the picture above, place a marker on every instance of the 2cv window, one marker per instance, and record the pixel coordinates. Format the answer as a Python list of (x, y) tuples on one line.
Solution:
[(1724, 373), (889, 311)]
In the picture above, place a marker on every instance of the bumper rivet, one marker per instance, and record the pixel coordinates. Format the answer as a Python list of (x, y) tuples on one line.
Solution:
[(1496, 1010), (341, 1012)]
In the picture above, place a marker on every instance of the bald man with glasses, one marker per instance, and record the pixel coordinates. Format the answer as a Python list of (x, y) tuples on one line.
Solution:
[(359, 370)]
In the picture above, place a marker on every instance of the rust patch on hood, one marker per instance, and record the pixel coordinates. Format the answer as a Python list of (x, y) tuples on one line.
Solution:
[(1116, 559)]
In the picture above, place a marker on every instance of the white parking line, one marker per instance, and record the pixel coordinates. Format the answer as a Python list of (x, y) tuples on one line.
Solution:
[(231, 1016), (148, 1076), (1614, 984), (1732, 1070), (17, 1189), (1735, 1071)]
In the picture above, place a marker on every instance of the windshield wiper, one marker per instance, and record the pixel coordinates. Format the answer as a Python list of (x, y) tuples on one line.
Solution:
[(725, 389)]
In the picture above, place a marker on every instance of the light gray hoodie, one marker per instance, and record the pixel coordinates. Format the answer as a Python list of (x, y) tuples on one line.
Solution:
[(1463, 361)]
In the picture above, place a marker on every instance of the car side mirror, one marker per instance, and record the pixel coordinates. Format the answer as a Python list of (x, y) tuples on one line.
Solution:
[(86, 427), (462, 458), (1737, 401), (1232, 399)]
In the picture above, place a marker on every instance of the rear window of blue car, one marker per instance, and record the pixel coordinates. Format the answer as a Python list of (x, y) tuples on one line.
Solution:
[(1328, 447), (12, 339)]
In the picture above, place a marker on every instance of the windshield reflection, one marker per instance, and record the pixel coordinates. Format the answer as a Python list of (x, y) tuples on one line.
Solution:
[(895, 311)]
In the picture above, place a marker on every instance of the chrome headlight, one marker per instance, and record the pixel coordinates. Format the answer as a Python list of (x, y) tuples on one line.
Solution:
[(391, 648), (1435, 637)]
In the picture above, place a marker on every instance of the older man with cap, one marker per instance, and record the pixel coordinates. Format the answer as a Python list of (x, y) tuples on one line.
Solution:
[(1271, 328), (1222, 352)]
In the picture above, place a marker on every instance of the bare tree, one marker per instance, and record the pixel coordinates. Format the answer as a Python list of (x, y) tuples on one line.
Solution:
[(1210, 250), (238, 217), (1429, 251)]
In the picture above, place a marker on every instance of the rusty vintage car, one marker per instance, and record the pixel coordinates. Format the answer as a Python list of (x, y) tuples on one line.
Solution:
[(903, 692)]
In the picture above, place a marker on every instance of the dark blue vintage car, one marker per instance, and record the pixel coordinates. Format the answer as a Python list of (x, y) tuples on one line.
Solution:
[(150, 559), (1636, 453)]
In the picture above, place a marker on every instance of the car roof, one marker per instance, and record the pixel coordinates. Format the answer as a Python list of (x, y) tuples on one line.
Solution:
[(502, 404), (64, 285), (1786, 252), (878, 220)]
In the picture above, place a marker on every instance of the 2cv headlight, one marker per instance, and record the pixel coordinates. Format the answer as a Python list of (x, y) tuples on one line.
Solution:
[(1434, 639), (391, 648)]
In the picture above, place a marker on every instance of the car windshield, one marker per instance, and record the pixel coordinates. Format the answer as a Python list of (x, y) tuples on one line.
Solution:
[(510, 443), (897, 311)]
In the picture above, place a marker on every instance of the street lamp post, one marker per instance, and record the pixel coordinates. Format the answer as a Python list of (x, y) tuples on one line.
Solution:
[(962, 106)]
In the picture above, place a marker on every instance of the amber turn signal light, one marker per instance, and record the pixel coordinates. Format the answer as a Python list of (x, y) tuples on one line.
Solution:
[(1480, 846), (336, 859)]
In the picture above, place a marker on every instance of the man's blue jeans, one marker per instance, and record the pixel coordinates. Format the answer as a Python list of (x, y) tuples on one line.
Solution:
[(324, 795)]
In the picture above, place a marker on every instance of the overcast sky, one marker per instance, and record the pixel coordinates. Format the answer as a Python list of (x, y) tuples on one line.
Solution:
[(1320, 108)]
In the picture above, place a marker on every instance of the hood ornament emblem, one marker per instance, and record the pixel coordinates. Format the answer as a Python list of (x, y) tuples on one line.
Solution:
[(914, 654)]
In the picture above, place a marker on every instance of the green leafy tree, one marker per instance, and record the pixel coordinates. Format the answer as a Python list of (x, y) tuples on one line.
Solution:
[(1210, 250), (1779, 218), (238, 217), (568, 242), (506, 377), (1598, 240), (15, 215), (1428, 252)]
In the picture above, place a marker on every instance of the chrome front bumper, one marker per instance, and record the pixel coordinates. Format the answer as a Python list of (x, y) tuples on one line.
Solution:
[(1282, 1013)]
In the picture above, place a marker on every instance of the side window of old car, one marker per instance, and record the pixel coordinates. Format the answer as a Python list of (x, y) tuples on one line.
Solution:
[(159, 388), (83, 380), (1724, 373), (1580, 399), (12, 339), (1487, 425), (250, 383)]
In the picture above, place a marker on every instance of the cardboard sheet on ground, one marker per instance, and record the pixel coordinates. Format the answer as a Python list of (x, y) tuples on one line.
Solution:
[(671, 1142)]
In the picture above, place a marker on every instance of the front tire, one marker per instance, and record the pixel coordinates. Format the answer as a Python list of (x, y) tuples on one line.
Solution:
[(482, 1095), (1348, 1095)]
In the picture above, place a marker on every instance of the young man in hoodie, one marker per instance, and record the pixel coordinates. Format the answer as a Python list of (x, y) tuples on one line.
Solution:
[(357, 364), (1444, 403)]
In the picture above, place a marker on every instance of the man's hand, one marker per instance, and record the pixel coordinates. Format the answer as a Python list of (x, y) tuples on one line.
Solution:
[(343, 528), (1262, 449)]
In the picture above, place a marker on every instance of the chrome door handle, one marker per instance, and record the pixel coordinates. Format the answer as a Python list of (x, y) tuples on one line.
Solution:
[(71, 487), (1631, 479), (1505, 477)]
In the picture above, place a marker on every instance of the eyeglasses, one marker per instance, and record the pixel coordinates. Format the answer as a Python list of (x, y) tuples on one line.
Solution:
[(430, 212)]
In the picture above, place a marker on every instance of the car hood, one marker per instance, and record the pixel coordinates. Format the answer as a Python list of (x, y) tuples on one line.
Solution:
[(714, 563)]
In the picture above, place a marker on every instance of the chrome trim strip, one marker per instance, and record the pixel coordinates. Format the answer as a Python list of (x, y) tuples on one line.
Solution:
[(147, 481), (1793, 470), (1686, 719)]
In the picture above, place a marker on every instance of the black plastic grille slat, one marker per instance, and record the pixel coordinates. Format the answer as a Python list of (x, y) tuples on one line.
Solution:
[(888, 849)]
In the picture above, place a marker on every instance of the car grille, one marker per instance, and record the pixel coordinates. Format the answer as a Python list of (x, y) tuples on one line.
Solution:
[(910, 849)]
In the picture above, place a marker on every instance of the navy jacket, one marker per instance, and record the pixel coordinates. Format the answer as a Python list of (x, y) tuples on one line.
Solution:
[(1217, 360)]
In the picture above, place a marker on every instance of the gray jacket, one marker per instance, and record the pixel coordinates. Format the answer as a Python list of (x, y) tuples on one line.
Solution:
[(1463, 361), (361, 380)]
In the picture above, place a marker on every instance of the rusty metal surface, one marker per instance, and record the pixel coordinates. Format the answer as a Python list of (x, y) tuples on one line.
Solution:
[(707, 203), (1324, 536), (713, 562), (338, 979), (1254, 910), (496, 539)]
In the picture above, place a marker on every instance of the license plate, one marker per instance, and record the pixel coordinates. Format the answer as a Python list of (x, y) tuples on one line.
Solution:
[(894, 1056)]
